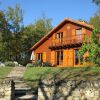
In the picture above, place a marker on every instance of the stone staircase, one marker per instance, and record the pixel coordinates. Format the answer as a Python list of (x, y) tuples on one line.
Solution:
[(22, 90)]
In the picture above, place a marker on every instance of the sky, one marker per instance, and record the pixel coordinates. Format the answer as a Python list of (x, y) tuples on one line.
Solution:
[(57, 10)]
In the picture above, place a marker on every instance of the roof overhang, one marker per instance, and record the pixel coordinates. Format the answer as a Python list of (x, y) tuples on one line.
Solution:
[(57, 27)]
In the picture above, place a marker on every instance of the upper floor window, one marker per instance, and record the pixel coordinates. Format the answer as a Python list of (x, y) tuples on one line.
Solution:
[(59, 35), (79, 31)]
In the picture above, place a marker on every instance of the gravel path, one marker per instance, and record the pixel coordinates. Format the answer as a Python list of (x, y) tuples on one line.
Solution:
[(16, 73)]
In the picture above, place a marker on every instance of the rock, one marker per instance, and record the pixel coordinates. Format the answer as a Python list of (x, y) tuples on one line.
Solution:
[(16, 63), (2, 65), (28, 97), (20, 65)]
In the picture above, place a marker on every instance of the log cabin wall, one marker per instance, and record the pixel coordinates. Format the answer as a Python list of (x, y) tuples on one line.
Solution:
[(50, 47)]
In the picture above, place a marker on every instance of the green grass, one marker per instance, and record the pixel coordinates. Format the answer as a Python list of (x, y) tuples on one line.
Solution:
[(37, 72), (87, 73), (4, 71), (32, 75)]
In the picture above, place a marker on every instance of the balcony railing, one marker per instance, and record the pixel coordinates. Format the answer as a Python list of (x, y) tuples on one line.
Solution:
[(74, 40)]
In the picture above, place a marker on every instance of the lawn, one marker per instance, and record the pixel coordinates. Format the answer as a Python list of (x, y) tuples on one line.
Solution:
[(4, 71), (86, 73)]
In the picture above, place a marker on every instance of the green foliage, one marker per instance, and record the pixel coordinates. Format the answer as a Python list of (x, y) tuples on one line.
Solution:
[(29, 65), (73, 73), (95, 21), (10, 29), (82, 20), (9, 64), (37, 63), (5, 35), (92, 46), (14, 17), (15, 39), (97, 2), (4, 71), (46, 64), (32, 34)]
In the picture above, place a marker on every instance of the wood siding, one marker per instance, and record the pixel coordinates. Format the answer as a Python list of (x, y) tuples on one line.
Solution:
[(69, 32)]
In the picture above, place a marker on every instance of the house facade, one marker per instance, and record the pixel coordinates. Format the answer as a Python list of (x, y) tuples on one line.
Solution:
[(61, 45)]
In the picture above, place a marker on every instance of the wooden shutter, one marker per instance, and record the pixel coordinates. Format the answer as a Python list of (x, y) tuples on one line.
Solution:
[(73, 35), (70, 57), (65, 60), (44, 56), (53, 57), (83, 31)]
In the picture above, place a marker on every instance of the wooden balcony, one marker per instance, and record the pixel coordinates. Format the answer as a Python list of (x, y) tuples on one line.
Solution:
[(67, 42)]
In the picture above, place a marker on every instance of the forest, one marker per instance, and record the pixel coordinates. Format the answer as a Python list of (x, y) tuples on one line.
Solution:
[(16, 39)]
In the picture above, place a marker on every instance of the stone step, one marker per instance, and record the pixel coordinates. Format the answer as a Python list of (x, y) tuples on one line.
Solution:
[(20, 91), (27, 97), (21, 84)]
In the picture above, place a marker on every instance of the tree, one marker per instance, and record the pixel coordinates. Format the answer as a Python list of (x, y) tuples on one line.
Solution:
[(17, 39), (95, 21), (14, 17), (82, 20), (92, 46), (97, 2), (5, 34), (32, 34)]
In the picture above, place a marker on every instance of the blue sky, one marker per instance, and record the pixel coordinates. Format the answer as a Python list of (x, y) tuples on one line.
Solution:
[(57, 10)]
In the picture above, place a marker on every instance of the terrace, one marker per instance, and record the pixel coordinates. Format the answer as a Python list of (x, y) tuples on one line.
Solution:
[(67, 42)]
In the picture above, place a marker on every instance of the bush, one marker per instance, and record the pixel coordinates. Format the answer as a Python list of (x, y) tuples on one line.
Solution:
[(46, 64), (29, 65), (37, 63), (9, 64)]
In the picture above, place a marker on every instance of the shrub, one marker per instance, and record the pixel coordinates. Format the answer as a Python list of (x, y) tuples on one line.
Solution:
[(46, 64), (37, 63), (9, 64), (29, 65)]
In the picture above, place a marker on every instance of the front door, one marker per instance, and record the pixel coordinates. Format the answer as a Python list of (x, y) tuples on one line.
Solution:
[(59, 57)]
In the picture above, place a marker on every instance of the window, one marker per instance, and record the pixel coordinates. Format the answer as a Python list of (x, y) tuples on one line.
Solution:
[(78, 31), (78, 60), (59, 35), (59, 57), (40, 56), (76, 57), (79, 35)]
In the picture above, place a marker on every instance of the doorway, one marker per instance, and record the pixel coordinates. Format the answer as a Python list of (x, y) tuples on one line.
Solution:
[(59, 57)]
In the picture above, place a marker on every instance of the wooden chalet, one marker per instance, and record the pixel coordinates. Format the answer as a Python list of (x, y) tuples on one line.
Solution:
[(61, 45)]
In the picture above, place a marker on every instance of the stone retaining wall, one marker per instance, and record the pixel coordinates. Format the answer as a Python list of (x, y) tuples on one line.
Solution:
[(69, 90), (6, 90)]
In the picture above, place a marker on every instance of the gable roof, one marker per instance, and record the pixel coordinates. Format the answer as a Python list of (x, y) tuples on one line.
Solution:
[(57, 27)]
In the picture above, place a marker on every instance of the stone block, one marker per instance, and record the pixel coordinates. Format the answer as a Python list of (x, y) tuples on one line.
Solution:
[(8, 93), (70, 98), (76, 93), (97, 93), (40, 94), (95, 98), (89, 93), (96, 85), (76, 98)]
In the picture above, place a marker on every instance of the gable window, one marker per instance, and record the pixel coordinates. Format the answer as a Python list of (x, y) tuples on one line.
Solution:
[(59, 35), (79, 34), (40, 56), (79, 31)]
